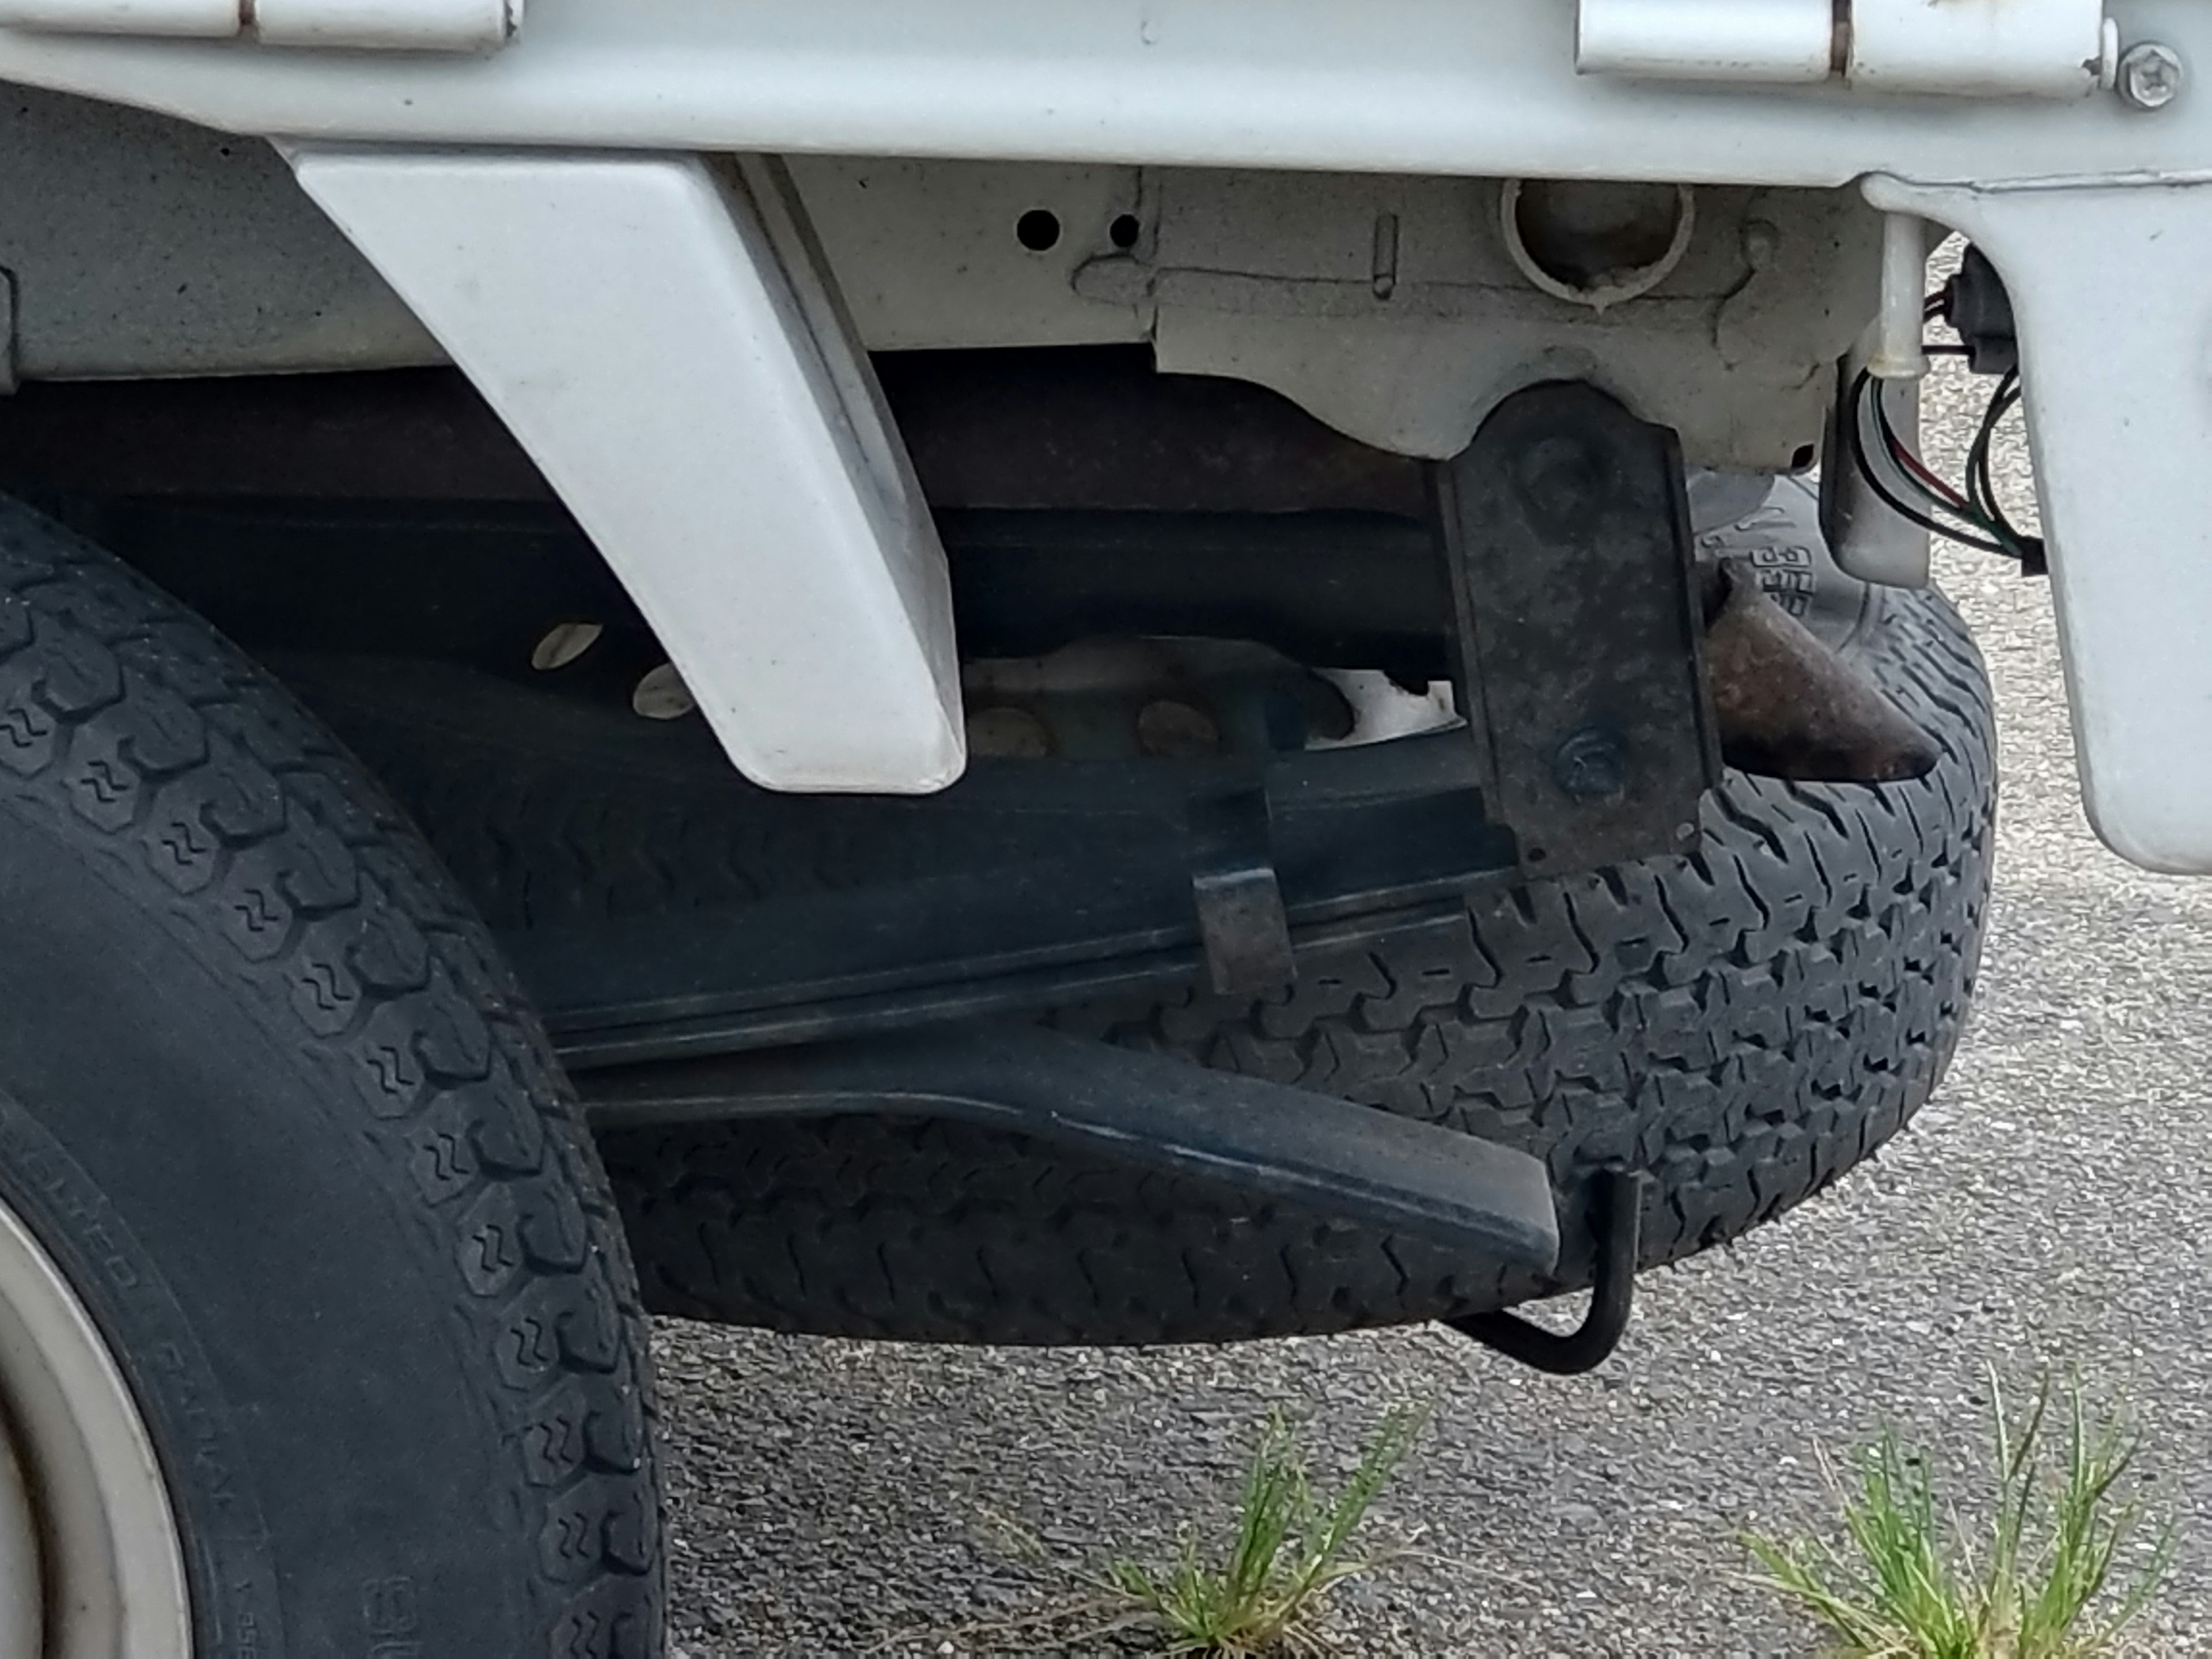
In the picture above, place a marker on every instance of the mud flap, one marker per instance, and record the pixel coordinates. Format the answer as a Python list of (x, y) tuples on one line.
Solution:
[(2114, 315)]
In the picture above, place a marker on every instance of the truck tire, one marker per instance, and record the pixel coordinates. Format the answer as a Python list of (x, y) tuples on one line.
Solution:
[(285, 1159), (1746, 1022)]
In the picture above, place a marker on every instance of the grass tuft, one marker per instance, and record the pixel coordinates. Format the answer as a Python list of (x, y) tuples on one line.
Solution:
[(1911, 1581), (1261, 1593)]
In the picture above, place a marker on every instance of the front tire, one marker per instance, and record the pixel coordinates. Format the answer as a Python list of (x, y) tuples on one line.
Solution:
[(276, 1113)]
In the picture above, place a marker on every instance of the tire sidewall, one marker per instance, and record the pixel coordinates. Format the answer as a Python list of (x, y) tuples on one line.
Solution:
[(230, 1570), (198, 1171)]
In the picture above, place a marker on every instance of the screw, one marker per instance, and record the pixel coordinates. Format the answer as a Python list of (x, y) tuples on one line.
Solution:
[(2150, 74)]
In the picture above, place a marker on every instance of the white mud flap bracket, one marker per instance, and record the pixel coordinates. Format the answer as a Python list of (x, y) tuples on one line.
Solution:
[(2113, 312), (661, 334)]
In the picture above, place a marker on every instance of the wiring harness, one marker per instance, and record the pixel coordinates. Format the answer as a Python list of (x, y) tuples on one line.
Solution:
[(1970, 515)]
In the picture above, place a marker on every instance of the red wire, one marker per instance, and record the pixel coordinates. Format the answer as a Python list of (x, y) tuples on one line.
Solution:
[(1912, 464)]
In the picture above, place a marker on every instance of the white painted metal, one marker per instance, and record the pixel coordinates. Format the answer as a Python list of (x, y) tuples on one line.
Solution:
[(1771, 42), (2115, 323), (1272, 277), (1615, 286), (112, 1572), (1958, 48), (2113, 311), (139, 246), (927, 254), (392, 25), (1979, 48), (1868, 537), (217, 19), (385, 25), (1393, 85), (658, 335), (1901, 324)]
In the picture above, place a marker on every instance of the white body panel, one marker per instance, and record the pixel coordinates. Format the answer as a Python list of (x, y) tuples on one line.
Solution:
[(657, 376), (1457, 87), (653, 334)]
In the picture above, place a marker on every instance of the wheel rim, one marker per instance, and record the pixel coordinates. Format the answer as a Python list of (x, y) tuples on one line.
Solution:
[(90, 1565)]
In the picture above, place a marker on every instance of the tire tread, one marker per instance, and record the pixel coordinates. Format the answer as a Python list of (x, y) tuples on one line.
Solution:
[(184, 761)]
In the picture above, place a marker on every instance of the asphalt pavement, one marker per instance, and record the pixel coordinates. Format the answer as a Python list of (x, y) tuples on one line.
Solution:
[(2050, 1208)]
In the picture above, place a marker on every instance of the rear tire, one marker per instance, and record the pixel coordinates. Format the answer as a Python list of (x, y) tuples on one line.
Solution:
[(1746, 1021), (274, 1108)]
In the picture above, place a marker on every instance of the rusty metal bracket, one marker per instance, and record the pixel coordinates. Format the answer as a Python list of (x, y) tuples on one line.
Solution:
[(1580, 628), (1789, 707)]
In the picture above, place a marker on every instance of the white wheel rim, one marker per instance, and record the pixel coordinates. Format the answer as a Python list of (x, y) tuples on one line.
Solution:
[(90, 1567)]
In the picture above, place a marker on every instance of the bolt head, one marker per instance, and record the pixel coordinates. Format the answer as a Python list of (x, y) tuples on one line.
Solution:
[(1590, 763), (2150, 74)]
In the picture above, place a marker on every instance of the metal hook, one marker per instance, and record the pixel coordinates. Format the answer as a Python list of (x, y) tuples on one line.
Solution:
[(1612, 1291)]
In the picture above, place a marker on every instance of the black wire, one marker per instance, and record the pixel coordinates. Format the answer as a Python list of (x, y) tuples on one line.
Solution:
[(1889, 499), (2004, 536), (1900, 452), (1981, 483)]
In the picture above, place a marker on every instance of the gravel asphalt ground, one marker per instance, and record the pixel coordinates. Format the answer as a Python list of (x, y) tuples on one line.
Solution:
[(2048, 1208)]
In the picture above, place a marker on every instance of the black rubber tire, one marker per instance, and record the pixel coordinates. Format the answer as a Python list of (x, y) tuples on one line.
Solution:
[(1746, 1021), (272, 1100)]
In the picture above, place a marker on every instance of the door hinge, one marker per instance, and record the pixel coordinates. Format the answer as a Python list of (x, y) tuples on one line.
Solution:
[(373, 25), (1963, 48)]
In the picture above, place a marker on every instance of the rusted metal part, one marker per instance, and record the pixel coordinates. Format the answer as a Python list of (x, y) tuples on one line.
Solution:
[(1569, 527), (1091, 428), (1098, 427), (1789, 707), (407, 435)]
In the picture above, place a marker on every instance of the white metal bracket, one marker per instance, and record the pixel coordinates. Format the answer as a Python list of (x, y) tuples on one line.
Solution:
[(661, 334), (2114, 319)]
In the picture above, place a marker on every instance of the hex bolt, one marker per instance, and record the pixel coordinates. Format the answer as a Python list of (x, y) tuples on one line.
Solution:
[(2150, 74)]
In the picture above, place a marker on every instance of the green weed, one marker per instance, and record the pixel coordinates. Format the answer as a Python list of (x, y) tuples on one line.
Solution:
[(2044, 1579), (1261, 1590)]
